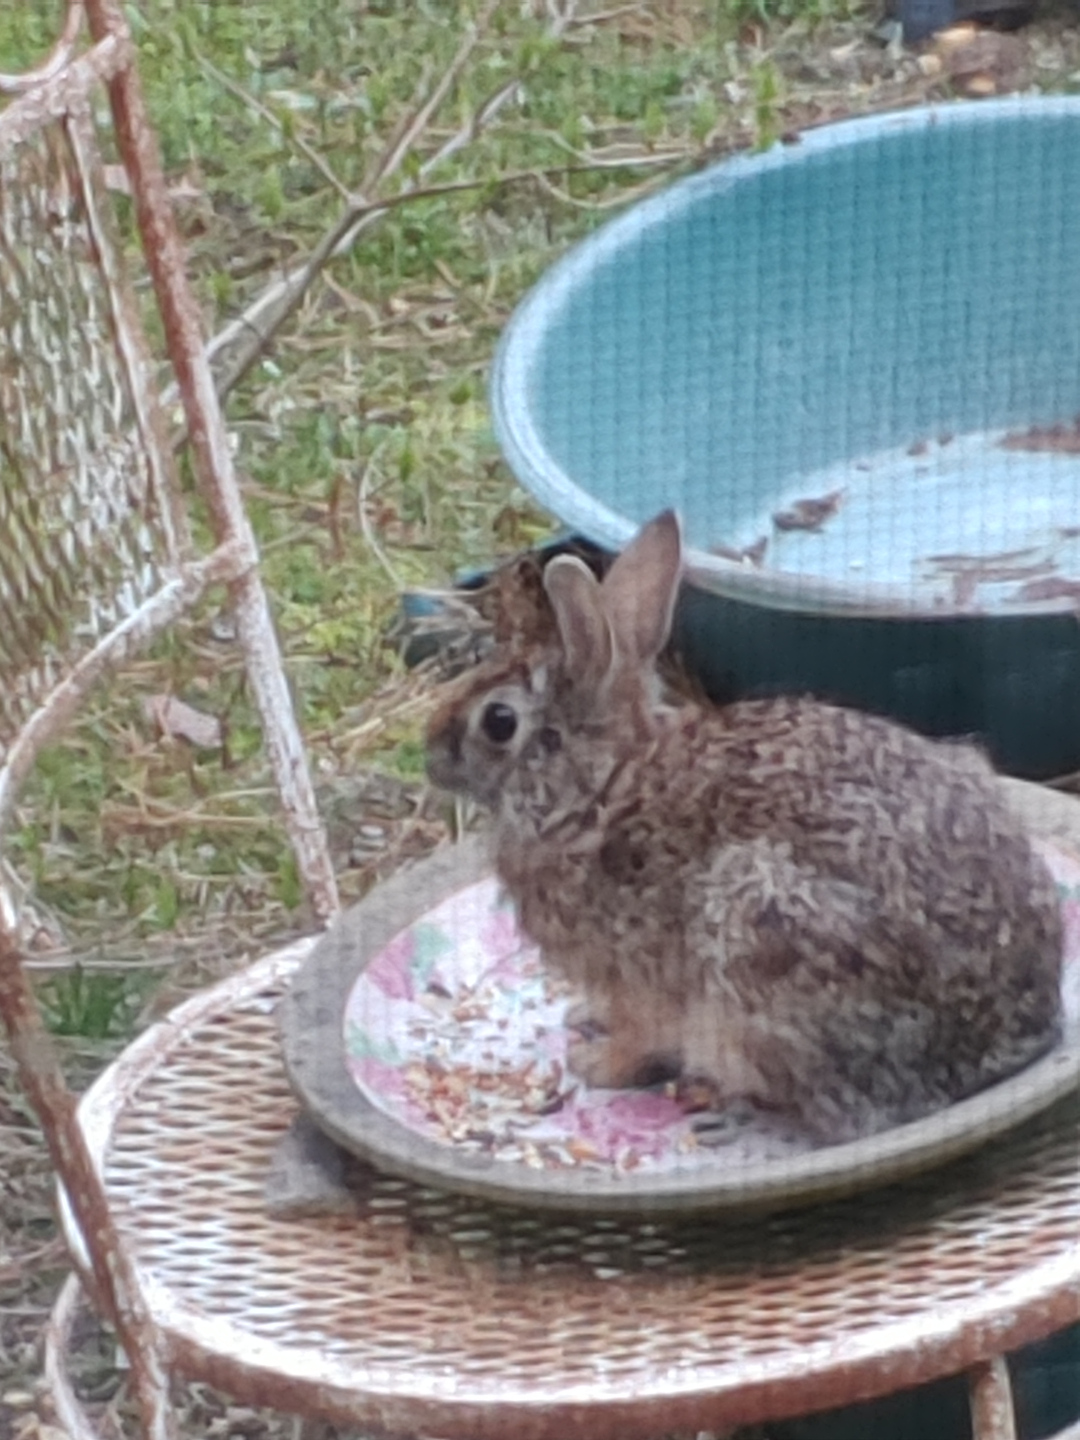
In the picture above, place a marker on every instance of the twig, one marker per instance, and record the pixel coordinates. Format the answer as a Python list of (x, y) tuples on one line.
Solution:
[(200, 806), (601, 17), (308, 151), (64, 961), (561, 18), (623, 197), (515, 177), (612, 157), (356, 740), (475, 125), (360, 211), (256, 326), (495, 103), (362, 495), (417, 123)]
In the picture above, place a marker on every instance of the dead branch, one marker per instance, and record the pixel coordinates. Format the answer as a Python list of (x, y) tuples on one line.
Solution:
[(253, 103), (252, 331)]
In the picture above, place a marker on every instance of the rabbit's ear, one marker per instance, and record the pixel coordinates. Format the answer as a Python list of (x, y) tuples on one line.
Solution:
[(574, 593), (641, 587)]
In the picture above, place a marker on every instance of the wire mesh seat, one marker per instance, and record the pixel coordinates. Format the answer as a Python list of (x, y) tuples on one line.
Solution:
[(424, 1312), (412, 1310)]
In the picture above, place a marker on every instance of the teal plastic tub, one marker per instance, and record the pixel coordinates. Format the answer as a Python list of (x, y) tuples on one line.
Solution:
[(882, 319)]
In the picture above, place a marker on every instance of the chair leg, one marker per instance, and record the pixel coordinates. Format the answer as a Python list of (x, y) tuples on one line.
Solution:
[(266, 675), (68, 1409), (114, 1274), (990, 1393)]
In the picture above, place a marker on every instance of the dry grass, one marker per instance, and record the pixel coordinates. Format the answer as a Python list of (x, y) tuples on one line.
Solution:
[(369, 462)]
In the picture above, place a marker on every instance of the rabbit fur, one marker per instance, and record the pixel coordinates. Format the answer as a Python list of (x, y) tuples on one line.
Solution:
[(813, 909)]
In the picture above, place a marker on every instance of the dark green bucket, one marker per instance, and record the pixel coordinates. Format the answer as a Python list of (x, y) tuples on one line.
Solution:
[(887, 313)]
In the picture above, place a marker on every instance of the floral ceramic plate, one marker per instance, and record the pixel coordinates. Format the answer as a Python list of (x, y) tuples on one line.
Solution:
[(425, 1034), (458, 1032)]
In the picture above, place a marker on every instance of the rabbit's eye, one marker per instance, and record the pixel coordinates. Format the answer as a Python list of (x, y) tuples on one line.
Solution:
[(498, 722)]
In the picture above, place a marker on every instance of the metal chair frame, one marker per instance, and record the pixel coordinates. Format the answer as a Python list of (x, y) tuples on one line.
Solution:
[(58, 664)]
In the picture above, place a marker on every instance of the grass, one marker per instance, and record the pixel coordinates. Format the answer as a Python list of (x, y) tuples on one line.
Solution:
[(372, 399), (363, 434)]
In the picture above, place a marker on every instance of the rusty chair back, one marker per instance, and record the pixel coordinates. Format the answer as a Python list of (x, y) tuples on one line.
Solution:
[(96, 551)]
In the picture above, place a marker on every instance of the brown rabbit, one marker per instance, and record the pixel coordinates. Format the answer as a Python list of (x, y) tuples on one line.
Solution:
[(812, 908)]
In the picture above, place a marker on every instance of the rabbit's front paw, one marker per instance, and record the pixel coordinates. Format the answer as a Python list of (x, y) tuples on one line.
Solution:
[(589, 1018), (610, 1060), (589, 1056)]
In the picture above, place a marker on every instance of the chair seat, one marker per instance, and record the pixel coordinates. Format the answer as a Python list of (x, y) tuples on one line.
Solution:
[(427, 1312)]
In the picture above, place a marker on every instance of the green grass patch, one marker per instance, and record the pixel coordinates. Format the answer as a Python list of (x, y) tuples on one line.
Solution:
[(362, 434)]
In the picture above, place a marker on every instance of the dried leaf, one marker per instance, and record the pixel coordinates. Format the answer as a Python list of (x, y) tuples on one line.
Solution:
[(749, 555), (1061, 439), (1050, 587), (981, 62), (179, 721), (31, 1427), (809, 514), (964, 585)]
